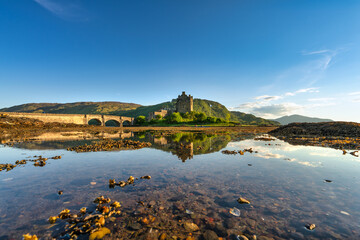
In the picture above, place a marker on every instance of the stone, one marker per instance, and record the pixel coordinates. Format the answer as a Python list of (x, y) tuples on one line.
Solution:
[(242, 237), (135, 226), (220, 230), (191, 227), (311, 226), (243, 201), (163, 236), (210, 235)]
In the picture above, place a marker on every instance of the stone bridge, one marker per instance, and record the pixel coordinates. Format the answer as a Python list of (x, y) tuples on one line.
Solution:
[(101, 120)]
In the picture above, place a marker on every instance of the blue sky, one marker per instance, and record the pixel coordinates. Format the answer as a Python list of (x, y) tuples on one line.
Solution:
[(269, 58)]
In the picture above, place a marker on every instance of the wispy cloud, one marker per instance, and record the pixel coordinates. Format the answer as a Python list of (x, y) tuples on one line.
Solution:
[(268, 98), (67, 10), (316, 52), (304, 90)]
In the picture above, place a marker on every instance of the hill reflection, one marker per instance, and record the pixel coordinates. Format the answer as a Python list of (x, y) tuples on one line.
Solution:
[(182, 144)]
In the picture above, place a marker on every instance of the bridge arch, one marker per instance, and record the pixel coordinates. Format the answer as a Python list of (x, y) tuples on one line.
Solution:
[(112, 123), (95, 122), (126, 123)]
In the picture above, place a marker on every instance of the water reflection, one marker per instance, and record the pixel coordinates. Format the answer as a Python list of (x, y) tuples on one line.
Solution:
[(183, 144), (284, 183)]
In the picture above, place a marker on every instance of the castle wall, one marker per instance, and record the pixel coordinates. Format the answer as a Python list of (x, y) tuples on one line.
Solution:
[(184, 103)]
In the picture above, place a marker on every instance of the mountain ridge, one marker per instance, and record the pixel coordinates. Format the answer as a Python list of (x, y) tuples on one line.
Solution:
[(210, 108), (300, 119)]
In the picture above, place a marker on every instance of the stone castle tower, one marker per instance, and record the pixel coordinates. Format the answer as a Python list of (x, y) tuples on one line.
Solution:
[(184, 103)]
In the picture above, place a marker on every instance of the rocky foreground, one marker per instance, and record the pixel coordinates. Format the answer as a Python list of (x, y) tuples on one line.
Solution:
[(335, 129), (339, 135)]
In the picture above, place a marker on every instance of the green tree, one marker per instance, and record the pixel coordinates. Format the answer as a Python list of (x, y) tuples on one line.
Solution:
[(158, 117), (175, 118), (140, 120), (200, 117), (211, 119)]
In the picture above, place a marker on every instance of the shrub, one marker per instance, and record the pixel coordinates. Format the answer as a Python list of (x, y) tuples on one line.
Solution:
[(140, 120), (200, 117), (175, 118)]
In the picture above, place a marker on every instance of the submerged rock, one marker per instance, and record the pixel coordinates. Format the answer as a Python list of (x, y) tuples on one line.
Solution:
[(210, 235), (243, 201), (311, 226), (135, 226), (30, 237), (191, 227), (99, 234), (220, 230), (234, 211), (242, 237)]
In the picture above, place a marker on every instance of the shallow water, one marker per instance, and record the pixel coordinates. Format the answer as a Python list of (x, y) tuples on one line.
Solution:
[(284, 183)]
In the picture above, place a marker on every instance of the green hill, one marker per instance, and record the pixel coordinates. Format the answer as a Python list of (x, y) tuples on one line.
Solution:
[(110, 108), (210, 108), (145, 110)]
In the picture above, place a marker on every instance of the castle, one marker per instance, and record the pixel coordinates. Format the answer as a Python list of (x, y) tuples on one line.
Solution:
[(184, 104)]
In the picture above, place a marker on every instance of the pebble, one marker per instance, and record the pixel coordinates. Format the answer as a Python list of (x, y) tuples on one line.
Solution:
[(242, 237), (311, 226), (191, 227), (163, 236), (243, 201), (135, 226), (220, 230), (210, 235), (345, 213), (234, 211)]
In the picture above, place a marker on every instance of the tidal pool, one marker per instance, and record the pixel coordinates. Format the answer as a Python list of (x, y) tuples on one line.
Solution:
[(191, 182)]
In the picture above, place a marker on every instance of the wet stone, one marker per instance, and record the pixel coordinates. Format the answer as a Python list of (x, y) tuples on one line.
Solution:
[(210, 235), (220, 230), (163, 236), (135, 226), (191, 227), (311, 226), (230, 223), (242, 237), (243, 201)]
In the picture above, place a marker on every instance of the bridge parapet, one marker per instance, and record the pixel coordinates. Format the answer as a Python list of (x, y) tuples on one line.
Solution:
[(72, 118)]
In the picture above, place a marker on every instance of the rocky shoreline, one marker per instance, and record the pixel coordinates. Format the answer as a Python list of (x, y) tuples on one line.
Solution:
[(338, 135), (334, 129)]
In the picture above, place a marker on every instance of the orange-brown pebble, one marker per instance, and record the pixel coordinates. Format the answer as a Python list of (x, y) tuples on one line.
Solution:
[(163, 236)]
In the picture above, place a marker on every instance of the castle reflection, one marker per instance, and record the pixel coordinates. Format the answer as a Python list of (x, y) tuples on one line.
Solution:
[(182, 144)]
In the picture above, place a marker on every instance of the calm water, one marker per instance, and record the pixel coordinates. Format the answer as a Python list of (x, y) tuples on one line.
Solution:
[(284, 183)]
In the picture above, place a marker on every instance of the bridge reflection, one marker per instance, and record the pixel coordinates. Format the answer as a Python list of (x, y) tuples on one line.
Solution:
[(184, 145)]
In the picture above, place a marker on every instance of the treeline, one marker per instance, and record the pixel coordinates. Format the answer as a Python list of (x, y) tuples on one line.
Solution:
[(174, 118)]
